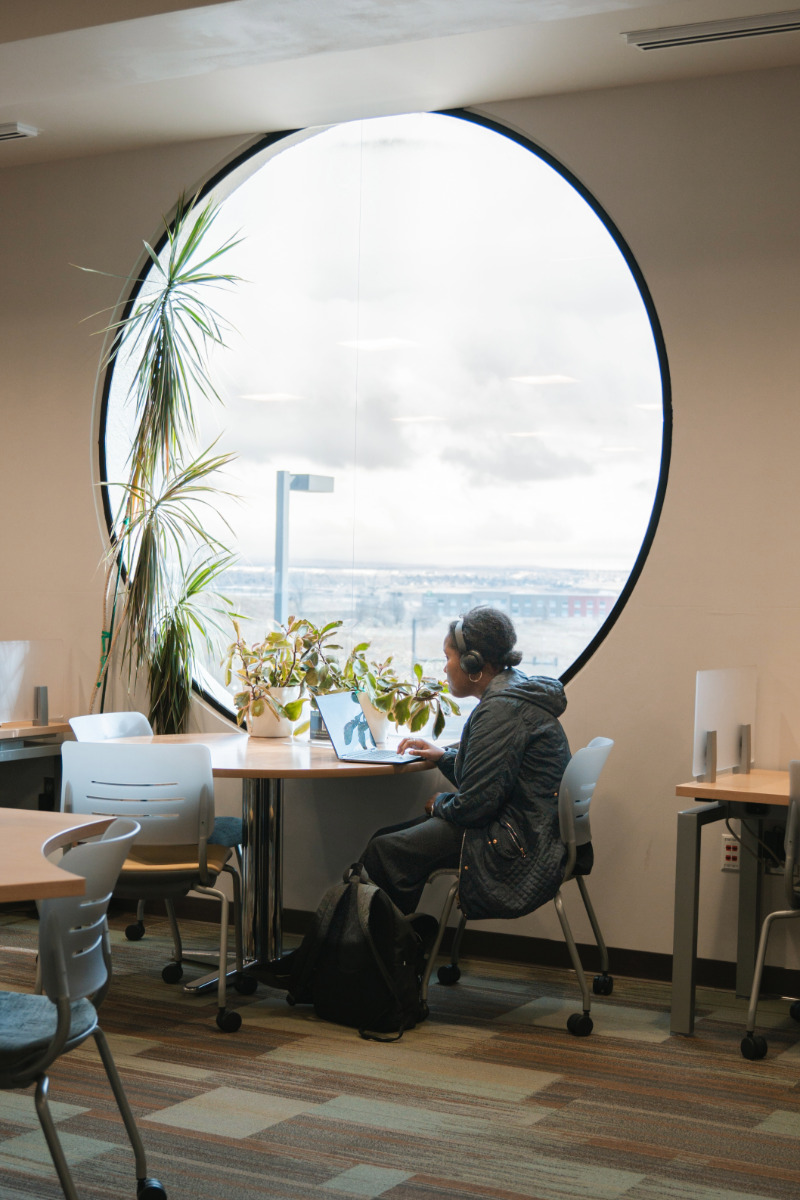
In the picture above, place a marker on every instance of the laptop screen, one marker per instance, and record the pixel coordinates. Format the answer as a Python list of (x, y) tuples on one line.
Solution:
[(345, 722)]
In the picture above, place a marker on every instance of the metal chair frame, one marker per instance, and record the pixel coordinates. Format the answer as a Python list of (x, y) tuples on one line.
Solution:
[(574, 798), (75, 972), (169, 789), (754, 1045)]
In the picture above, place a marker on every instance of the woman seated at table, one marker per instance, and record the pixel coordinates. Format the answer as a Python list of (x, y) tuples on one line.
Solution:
[(500, 821)]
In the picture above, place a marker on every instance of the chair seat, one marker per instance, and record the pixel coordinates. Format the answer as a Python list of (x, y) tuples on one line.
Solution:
[(28, 1024), (174, 867), (175, 858), (227, 831)]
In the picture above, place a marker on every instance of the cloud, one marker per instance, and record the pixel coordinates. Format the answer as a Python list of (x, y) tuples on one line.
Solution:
[(406, 275)]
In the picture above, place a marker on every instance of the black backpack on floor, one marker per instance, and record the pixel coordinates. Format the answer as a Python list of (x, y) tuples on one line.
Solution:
[(362, 962)]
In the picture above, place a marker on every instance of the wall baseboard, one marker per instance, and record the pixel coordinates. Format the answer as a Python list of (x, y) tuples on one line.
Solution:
[(635, 964), (508, 947)]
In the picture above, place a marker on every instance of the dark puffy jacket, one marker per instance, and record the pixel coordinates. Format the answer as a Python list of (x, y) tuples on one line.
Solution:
[(508, 769)]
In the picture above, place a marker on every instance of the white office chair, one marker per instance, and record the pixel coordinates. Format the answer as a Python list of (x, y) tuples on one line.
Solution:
[(574, 797), (753, 1045), (101, 727), (169, 790), (75, 966)]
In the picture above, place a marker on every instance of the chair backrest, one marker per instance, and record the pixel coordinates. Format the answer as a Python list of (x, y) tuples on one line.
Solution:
[(72, 928), (169, 790), (791, 840), (99, 727), (575, 796)]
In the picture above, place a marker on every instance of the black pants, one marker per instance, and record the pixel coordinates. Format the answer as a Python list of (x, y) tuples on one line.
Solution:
[(399, 858)]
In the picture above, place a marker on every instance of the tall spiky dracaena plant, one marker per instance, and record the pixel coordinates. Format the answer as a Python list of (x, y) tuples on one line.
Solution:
[(163, 564)]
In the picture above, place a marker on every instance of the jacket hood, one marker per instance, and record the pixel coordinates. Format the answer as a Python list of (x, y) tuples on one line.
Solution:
[(540, 690)]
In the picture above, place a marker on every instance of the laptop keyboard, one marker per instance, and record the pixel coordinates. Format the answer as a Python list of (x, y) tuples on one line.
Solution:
[(379, 755)]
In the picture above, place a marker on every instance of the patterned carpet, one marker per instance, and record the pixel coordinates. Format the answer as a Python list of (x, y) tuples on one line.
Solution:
[(491, 1097)]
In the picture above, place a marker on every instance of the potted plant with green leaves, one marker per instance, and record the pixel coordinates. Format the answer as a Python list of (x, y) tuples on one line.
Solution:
[(271, 674), (411, 702), (325, 673), (163, 565)]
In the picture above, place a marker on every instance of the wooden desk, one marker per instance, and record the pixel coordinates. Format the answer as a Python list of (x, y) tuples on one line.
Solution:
[(23, 739), (263, 764), (757, 796), (27, 729), (29, 836)]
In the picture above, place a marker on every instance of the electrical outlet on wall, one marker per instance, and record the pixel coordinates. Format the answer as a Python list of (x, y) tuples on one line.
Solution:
[(730, 852)]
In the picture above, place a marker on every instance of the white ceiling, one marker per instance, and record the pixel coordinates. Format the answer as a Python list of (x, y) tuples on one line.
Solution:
[(170, 70)]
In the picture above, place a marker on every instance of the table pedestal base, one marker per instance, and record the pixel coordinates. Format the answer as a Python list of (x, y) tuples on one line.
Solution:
[(262, 871)]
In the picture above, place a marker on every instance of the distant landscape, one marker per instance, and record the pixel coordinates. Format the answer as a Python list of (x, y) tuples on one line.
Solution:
[(405, 611)]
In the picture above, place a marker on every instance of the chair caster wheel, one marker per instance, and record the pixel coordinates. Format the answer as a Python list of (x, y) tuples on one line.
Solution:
[(135, 933), (449, 974), (580, 1024), (290, 1000), (603, 985), (150, 1189), (245, 984), (794, 1011), (172, 972), (228, 1022), (753, 1046)]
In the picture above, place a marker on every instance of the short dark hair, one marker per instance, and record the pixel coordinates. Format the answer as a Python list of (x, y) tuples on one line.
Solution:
[(491, 633)]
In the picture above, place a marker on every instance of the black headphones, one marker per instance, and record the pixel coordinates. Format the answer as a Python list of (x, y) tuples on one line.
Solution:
[(471, 660)]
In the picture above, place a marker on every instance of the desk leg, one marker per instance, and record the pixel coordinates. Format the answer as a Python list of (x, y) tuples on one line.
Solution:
[(749, 926), (262, 869), (687, 899)]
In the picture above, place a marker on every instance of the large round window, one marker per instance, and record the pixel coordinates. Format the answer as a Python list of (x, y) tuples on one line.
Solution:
[(437, 319)]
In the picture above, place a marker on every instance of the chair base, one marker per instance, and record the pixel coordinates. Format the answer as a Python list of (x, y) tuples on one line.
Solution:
[(580, 1024)]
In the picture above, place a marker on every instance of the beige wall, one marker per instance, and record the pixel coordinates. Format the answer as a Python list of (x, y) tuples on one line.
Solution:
[(702, 178)]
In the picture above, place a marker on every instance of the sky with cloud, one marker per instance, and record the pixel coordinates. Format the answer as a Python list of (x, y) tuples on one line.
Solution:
[(435, 317)]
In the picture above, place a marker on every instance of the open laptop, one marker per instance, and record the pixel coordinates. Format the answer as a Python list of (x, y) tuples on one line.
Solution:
[(349, 732)]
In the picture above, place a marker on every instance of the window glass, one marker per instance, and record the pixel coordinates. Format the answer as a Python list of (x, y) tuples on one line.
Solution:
[(433, 316)]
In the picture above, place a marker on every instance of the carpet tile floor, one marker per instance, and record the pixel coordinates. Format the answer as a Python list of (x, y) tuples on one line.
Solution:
[(490, 1098)]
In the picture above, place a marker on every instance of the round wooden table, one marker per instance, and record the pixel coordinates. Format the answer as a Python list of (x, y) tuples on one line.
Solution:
[(263, 764)]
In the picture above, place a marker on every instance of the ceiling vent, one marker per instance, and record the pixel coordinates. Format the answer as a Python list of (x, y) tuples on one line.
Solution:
[(12, 131), (714, 31)]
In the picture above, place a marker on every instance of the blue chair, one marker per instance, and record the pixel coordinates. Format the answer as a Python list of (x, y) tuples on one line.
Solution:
[(169, 790), (101, 727), (75, 970)]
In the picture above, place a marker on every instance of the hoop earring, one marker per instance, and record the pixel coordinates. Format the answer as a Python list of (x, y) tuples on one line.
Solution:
[(475, 678)]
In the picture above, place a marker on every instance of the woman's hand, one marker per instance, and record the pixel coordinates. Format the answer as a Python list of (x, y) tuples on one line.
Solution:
[(426, 750), (429, 806)]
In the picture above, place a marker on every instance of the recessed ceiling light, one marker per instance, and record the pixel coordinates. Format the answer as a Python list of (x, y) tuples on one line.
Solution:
[(10, 132), (714, 31)]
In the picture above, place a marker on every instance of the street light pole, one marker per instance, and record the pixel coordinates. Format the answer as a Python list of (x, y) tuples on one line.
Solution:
[(286, 483)]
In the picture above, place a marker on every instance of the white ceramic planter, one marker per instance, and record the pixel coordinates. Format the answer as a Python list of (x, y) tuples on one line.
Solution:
[(378, 722), (268, 725)]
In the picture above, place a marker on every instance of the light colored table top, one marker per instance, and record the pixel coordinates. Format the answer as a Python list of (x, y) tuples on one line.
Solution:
[(238, 756), (27, 729), (28, 836), (759, 787)]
